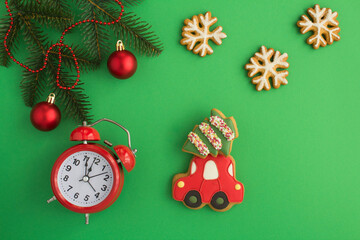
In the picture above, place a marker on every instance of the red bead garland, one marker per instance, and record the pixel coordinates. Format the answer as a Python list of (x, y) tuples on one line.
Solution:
[(60, 44)]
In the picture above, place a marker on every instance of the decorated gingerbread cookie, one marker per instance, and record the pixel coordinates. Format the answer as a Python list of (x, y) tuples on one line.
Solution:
[(264, 65), (323, 24), (211, 176), (196, 34)]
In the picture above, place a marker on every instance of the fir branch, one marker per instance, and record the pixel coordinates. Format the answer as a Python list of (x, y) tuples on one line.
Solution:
[(75, 103), (56, 8), (133, 31), (61, 5), (30, 14), (136, 33), (95, 36), (59, 23), (85, 61), (128, 3), (52, 13), (33, 84), (11, 40), (132, 2), (32, 34)]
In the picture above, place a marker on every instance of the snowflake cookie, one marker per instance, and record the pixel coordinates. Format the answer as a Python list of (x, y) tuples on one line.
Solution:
[(323, 24), (197, 32), (265, 65)]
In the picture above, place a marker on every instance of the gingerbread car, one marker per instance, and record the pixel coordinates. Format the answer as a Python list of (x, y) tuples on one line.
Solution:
[(211, 175), (211, 181)]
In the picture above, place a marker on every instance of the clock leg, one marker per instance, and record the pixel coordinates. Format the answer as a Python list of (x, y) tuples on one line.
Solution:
[(87, 215), (51, 199)]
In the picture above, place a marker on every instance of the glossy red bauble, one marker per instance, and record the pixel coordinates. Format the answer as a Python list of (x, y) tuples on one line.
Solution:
[(122, 64), (45, 116)]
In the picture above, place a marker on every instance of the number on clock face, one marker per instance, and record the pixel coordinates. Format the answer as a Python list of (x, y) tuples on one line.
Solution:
[(85, 178)]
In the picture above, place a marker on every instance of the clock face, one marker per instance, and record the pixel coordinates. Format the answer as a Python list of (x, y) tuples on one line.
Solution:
[(85, 178)]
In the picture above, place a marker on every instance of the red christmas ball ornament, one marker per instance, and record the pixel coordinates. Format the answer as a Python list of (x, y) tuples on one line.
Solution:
[(46, 116), (122, 64)]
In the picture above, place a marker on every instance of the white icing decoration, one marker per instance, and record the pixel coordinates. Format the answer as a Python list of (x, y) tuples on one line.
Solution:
[(194, 33), (322, 24), (231, 170), (268, 68), (193, 168), (210, 171), (220, 124), (210, 135), (198, 143)]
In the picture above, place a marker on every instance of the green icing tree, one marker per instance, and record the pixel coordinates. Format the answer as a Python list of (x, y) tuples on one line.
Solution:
[(226, 145)]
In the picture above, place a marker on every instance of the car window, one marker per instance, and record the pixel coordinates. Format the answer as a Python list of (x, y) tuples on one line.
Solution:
[(210, 170)]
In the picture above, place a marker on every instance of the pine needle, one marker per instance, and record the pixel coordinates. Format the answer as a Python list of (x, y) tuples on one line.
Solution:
[(11, 41)]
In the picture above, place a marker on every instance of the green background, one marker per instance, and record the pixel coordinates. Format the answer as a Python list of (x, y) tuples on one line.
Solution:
[(297, 151)]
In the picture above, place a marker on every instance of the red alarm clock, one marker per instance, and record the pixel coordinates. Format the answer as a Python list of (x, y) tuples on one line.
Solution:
[(88, 177)]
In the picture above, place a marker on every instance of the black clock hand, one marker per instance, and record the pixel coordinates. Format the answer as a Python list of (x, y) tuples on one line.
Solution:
[(86, 165), (97, 175), (92, 186), (90, 168)]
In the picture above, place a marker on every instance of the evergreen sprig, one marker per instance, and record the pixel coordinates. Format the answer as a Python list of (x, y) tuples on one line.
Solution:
[(52, 13), (95, 36), (12, 38), (75, 103), (131, 2), (131, 29), (31, 16), (136, 34), (85, 61), (33, 85)]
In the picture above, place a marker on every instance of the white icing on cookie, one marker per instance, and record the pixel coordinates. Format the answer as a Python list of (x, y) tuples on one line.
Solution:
[(323, 23), (262, 63), (220, 124), (198, 143), (198, 31), (230, 170), (193, 168), (210, 135), (210, 171)]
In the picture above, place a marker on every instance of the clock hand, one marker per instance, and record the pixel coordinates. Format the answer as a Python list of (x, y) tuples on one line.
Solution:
[(90, 168), (97, 175), (91, 186), (86, 165)]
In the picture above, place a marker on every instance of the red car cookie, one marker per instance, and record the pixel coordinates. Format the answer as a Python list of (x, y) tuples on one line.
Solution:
[(211, 175)]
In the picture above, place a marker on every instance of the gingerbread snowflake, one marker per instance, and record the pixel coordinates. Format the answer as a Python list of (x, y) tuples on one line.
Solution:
[(196, 34), (323, 24), (265, 65)]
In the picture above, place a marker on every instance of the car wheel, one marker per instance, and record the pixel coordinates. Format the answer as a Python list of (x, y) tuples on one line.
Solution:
[(219, 201), (193, 199)]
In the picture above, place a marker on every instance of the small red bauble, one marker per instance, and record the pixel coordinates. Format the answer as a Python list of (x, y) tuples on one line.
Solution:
[(122, 64), (46, 116)]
